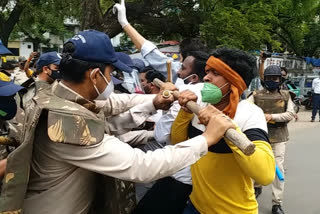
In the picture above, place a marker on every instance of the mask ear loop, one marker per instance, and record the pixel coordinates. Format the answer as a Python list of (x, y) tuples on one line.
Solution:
[(223, 87), (105, 79)]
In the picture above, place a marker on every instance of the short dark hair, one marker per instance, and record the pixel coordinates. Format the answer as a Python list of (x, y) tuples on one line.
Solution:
[(199, 63), (241, 62), (152, 74), (147, 68), (191, 44), (74, 70)]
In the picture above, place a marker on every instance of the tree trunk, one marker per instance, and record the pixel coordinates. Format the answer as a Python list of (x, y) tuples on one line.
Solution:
[(7, 26)]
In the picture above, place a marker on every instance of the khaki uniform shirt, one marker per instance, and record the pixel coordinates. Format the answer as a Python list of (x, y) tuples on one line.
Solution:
[(62, 178)]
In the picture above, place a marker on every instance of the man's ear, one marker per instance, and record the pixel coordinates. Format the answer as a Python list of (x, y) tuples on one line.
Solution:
[(93, 75), (195, 78), (45, 69)]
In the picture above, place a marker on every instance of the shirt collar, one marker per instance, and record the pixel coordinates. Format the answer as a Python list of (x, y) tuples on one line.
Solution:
[(67, 93)]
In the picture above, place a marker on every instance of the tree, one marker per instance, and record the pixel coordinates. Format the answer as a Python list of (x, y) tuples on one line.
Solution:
[(157, 18), (242, 25), (291, 24), (9, 16), (311, 41), (46, 17)]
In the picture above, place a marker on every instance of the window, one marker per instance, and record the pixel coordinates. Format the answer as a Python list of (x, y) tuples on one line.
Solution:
[(15, 51)]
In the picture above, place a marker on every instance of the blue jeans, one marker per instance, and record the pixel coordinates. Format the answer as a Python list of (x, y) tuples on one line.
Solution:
[(190, 209), (316, 104)]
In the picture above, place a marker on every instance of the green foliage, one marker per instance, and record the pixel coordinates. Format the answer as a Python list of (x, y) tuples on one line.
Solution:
[(281, 25), (246, 27), (47, 16)]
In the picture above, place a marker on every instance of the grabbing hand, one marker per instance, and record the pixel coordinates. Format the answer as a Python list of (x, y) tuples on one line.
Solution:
[(122, 17), (217, 127), (163, 102), (206, 113), (268, 117), (168, 86), (32, 55), (185, 97)]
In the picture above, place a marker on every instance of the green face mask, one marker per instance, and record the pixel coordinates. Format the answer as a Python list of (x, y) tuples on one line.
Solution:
[(211, 93)]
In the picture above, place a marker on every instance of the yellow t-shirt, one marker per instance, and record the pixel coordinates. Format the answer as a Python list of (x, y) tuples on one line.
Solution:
[(29, 73), (222, 182)]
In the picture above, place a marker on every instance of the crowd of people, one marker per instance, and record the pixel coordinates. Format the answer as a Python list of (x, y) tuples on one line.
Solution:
[(89, 130)]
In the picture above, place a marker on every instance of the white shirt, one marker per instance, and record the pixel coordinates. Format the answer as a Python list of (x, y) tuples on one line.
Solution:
[(316, 85)]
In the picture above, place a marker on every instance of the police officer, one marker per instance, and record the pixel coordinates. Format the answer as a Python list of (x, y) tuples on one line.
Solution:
[(8, 109), (47, 72), (71, 146), (279, 110)]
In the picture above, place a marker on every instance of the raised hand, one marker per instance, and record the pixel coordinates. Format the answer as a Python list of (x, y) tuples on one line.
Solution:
[(121, 9)]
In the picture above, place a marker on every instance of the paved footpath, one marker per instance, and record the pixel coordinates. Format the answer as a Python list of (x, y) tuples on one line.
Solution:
[(302, 170)]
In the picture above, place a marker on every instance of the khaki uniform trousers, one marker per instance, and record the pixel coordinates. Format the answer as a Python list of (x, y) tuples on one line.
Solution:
[(279, 150)]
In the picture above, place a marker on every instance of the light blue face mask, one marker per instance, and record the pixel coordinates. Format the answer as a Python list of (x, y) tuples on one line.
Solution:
[(212, 94)]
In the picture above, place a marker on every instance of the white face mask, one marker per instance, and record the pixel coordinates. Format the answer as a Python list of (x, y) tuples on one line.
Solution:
[(185, 79), (107, 91)]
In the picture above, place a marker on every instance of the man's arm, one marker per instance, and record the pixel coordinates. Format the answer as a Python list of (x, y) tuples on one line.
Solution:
[(27, 70), (313, 84), (3, 165), (148, 50), (136, 138), (117, 159), (135, 116), (286, 116), (119, 103)]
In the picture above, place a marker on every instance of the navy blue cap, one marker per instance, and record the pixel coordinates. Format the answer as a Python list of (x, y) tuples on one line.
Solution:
[(125, 58), (95, 46), (272, 70), (47, 59), (7, 87), (138, 64)]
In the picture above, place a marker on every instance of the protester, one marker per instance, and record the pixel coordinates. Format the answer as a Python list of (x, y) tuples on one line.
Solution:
[(29, 66), (71, 137), (173, 190), (215, 189), (146, 78), (278, 108)]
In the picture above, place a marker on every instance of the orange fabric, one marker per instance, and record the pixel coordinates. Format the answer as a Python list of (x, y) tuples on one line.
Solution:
[(237, 84)]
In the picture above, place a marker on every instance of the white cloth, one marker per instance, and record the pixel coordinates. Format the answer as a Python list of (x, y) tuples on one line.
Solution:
[(316, 85)]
